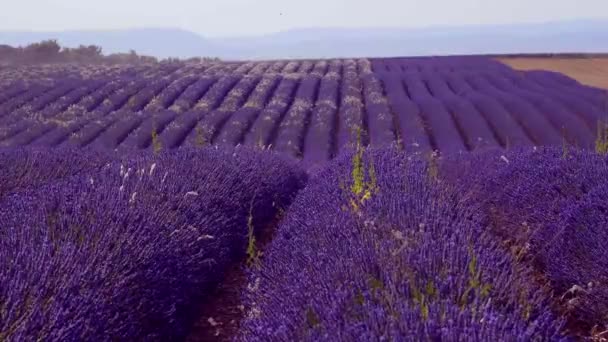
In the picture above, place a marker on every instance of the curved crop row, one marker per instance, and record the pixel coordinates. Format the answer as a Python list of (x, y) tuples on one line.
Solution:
[(263, 127), (128, 252), (167, 96), (546, 206), (240, 122), (313, 109), (292, 127), (192, 94), (212, 123), (351, 114), (319, 142), (389, 254)]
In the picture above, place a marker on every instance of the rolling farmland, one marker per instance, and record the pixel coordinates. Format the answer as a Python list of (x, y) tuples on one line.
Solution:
[(304, 109), (405, 199)]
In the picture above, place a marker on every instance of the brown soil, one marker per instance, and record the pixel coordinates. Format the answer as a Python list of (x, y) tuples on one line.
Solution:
[(220, 316), (589, 71)]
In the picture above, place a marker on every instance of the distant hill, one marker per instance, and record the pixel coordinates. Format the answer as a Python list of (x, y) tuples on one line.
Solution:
[(573, 36), (157, 42), (566, 36)]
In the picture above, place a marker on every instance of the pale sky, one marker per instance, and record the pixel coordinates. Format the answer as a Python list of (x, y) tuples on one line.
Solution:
[(214, 18)]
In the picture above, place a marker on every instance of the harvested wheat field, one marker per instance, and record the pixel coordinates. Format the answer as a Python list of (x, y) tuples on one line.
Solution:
[(589, 71)]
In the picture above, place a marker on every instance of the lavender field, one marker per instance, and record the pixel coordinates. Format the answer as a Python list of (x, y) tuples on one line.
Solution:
[(395, 199), (305, 109)]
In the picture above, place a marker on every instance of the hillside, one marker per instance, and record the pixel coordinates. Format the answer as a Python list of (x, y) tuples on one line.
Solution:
[(567, 36), (434, 198), (308, 110)]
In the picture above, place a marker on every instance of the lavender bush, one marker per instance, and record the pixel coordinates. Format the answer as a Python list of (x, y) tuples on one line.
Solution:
[(547, 206), (388, 253), (129, 251)]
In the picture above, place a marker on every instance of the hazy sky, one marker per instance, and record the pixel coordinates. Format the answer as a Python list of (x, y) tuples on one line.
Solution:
[(244, 17)]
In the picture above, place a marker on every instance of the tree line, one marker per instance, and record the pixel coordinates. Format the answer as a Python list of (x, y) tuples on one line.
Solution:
[(49, 51)]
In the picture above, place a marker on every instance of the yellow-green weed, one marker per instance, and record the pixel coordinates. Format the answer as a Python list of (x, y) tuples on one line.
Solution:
[(156, 144), (200, 138), (360, 189), (253, 255), (601, 142)]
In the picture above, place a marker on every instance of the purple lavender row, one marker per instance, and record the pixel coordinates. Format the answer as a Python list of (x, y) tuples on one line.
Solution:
[(216, 94), (411, 262), (118, 131), (444, 134), (573, 255), (508, 131), (548, 206), (156, 83), (152, 123), (168, 96), (60, 133), (552, 80), (32, 131), (43, 100), (75, 118), (276, 67), (475, 130), (555, 77), (589, 112), (61, 86), (121, 96), (380, 121), (351, 114), (161, 71), (305, 67), (290, 67), (571, 126), (535, 124), (13, 90), (319, 142), (244, 68), (214, 69), (139, 100), (415, 86), (259, 68), (192, 94), (92, 101), (49, 105), (213, 122), (335, 68), (239, 93), (320, 68), (293, 126), (29, 168), (410, 126), (35, 90), (130, 252), (179, 130), (396, 65), (264, 126), (240, 122), (9, 131), (84, 133), (73, 97)]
